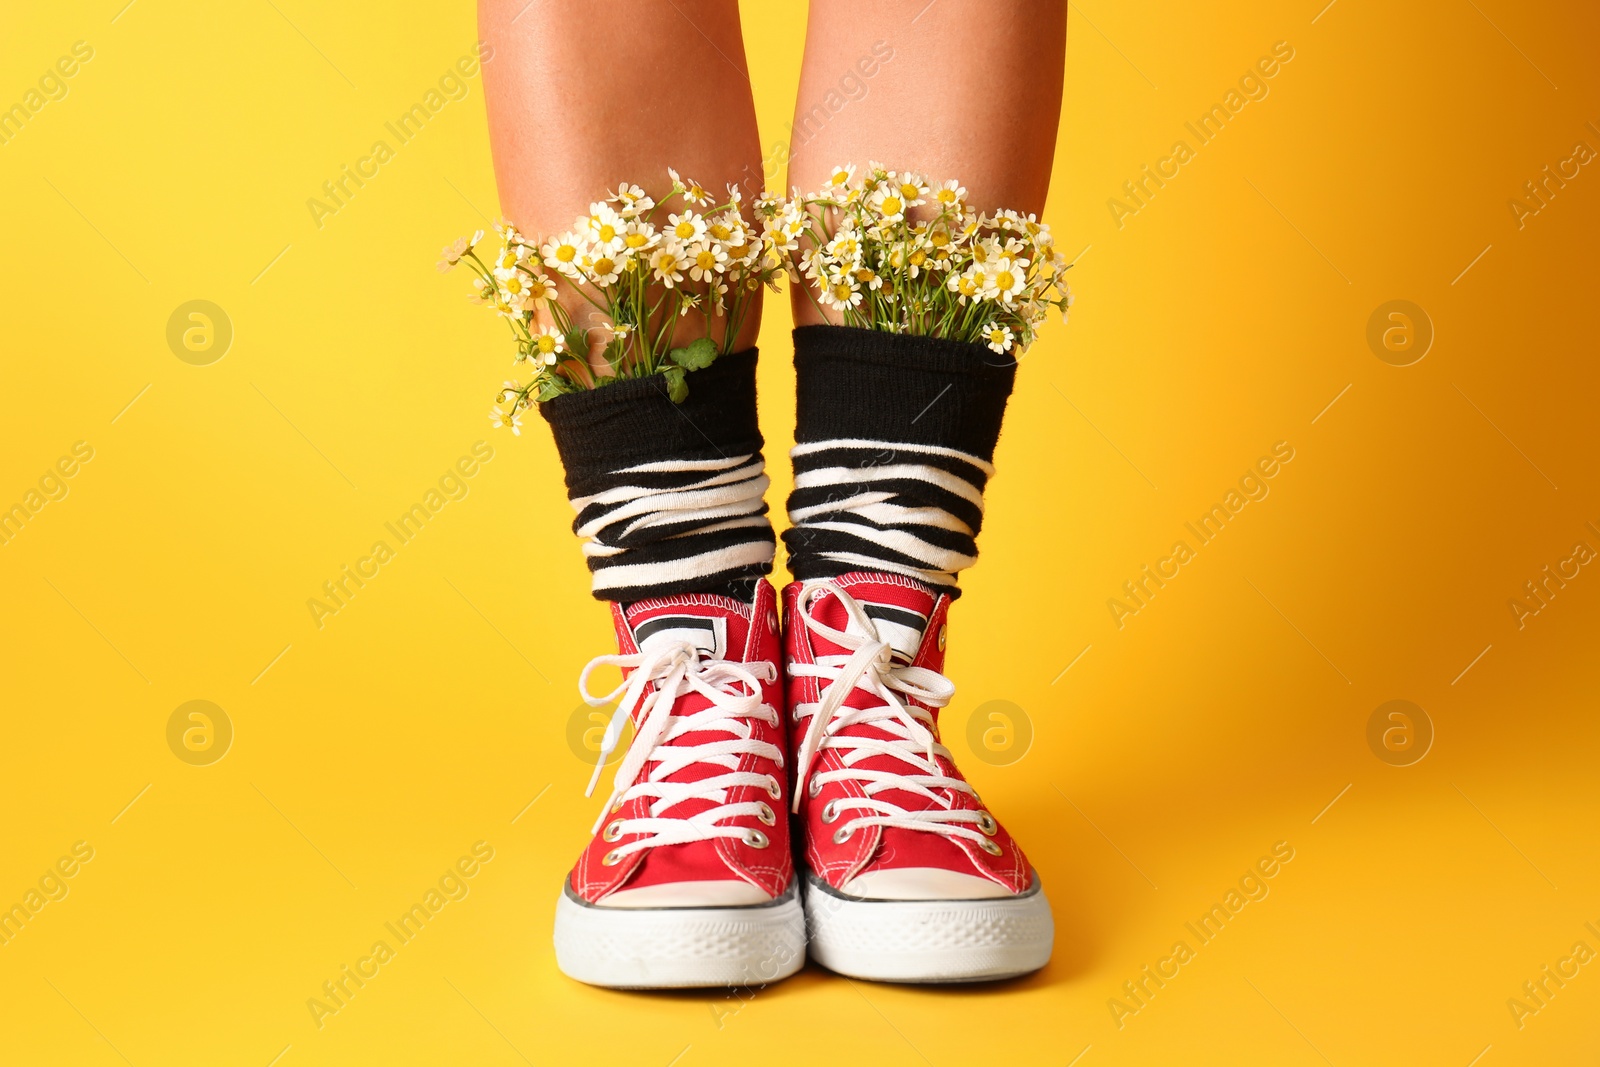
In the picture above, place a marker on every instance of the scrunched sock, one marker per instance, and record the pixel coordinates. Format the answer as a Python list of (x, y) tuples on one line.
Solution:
[(894, 441), (669, 496)]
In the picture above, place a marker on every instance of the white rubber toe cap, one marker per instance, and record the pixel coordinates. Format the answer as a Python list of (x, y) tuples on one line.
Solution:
[(922, 883), (724, 893)]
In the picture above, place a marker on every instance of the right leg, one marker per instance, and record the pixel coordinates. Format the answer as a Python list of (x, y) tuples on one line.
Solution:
[(690, 882)]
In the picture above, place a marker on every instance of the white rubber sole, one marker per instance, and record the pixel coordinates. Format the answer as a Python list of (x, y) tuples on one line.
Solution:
[(680, 948), (929, 940)]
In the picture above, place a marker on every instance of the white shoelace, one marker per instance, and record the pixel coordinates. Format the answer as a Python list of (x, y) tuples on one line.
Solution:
[(868, 666), (677, 669)]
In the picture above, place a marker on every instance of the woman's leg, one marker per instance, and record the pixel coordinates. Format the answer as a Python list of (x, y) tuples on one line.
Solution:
[(973, 91), (895, 436), (668, 487), (582, 96)]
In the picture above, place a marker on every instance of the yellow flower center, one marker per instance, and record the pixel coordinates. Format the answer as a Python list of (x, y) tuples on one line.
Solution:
[(608, 232), (839, 178), (635, 240), (566, 253), (669, 262), (684, 230), (1005, 280), (947, 196), (604, 266), (909, 191), (841, 292), (892, 205), (547, 344), (705, 260), (720, 232), (997, 337)]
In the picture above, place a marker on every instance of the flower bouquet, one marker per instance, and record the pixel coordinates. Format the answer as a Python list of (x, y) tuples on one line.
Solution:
[(640, 274), (948, 271)]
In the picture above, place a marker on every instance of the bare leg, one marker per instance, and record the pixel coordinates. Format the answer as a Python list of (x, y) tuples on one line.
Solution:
[(582, 96), (972, 91)]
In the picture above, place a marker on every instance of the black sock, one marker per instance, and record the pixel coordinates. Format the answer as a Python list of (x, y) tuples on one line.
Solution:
[(669, 496), (894, 437)]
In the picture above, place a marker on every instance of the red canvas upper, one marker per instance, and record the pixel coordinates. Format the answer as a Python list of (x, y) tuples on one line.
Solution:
[(725, 629), (898, 607)]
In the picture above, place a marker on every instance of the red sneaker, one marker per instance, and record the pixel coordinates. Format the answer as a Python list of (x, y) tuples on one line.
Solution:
[(910, 879), (689, 880)]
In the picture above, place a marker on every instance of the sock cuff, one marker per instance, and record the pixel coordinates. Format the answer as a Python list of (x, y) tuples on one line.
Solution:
[(635, 421), (856, 383)]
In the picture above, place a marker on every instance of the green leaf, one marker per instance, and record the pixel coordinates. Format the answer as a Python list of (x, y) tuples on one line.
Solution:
[(549, 392), (677, 388), (696, 355)]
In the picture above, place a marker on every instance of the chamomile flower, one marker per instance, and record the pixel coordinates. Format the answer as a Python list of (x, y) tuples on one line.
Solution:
[(968, 285), (998, 337), (451, 254), (686, 227), (603, 269), (950, 196), (562, 253), (841, 178), (631, 199), (498, 418), (887, 202), (605, 227), (547, 346), (692, 191), (706, 261), (639, 236), (911, 189), (1005, 279), (540, 288), (667, 264), (726, 228), (841, 294)]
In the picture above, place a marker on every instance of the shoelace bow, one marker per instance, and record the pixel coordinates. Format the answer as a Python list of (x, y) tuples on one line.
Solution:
[(675, 670), (908, 729)]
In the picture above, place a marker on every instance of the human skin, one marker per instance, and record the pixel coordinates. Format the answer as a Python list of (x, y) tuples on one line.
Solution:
[(973, 91), (584, 96)]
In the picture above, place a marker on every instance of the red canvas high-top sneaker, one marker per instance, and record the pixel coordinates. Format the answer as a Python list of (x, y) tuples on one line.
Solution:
[(689, 880), (909, 878)]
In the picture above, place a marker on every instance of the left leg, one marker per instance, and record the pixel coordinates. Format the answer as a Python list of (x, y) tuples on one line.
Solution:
[(903, 370)]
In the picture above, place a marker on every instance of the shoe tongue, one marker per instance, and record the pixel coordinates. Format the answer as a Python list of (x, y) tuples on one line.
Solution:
[(713, 624), (898, 607)]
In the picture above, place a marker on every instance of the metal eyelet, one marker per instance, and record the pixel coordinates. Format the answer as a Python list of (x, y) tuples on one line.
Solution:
[(610, 859), (841, 835), (990, 847), (756, 839), (830, 811), (814, 790), (987, 824), (943, 634), (612, 832), (774, 788), (767, 816), (772, 621)]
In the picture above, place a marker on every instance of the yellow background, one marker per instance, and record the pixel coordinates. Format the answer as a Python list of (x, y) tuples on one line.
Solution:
[(425, 716)]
